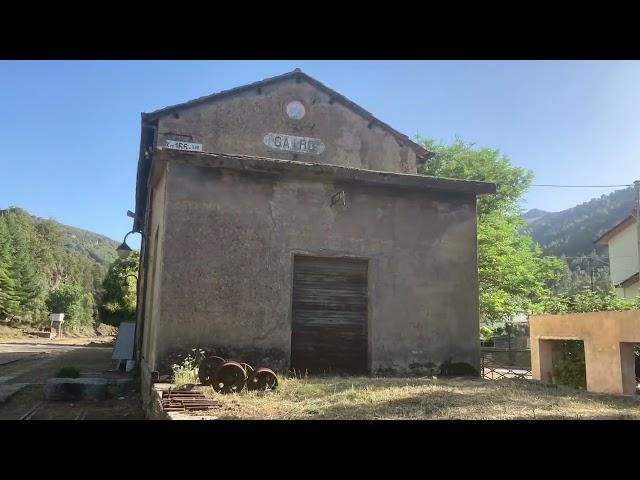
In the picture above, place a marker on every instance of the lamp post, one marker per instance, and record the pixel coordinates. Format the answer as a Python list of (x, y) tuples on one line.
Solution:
[(124, 252)]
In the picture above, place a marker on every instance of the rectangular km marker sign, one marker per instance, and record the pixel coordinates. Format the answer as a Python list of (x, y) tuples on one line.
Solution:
[(190, 147)]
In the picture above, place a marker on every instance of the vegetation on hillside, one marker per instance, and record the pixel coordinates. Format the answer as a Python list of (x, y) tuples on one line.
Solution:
[(47, 267), (572, 232)]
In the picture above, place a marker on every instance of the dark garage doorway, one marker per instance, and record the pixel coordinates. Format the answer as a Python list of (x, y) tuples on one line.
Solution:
[(329, 329)]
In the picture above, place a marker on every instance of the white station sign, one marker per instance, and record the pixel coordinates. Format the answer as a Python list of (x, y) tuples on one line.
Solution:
[(190, 147), (291, 143)]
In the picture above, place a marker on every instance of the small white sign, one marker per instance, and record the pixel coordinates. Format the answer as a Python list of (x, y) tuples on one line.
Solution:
[(291, 143), (190, 147)]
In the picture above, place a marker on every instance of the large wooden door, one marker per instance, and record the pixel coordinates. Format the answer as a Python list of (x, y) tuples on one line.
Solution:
[(329, 331)]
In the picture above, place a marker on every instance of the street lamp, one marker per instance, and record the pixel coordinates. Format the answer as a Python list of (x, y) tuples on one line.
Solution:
[(124, 250)]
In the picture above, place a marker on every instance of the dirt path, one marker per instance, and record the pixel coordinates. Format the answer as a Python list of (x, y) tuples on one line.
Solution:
[(25, 367)]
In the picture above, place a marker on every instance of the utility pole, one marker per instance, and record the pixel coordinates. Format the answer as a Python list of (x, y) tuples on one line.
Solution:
[(591, 271)]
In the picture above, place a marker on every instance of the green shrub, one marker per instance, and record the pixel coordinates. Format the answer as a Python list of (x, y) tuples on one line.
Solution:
[(569, 367), (486, 334), (186, 373), (68, 372), (77, 305)]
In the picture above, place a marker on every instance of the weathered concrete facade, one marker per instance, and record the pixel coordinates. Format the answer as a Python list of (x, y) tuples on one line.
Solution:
[(224, 227), (236, 124)]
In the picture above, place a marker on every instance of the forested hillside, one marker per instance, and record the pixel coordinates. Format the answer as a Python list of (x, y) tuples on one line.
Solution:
[(571, 232), (44, 264)]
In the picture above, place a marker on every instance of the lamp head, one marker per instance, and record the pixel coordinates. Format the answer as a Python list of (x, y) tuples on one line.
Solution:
[(124, 250)]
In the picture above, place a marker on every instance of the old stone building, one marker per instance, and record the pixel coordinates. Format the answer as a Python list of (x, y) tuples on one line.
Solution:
[(285, 225)]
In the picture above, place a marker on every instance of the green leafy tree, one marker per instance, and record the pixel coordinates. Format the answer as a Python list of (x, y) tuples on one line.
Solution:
[(587, 300), (37, 255), (514, 274), (118, 301), (464, 161), (76, 303)]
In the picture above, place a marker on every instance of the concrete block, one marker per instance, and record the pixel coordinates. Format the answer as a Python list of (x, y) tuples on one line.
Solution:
[(74, 389)]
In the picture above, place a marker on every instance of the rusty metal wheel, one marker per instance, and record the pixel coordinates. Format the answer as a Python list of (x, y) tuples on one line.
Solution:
[(263, 379), (247, 368), (207, 369), (230, 378)]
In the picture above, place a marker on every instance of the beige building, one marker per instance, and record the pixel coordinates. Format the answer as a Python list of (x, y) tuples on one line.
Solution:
[(622, 243), (286, 226), (608, 338)]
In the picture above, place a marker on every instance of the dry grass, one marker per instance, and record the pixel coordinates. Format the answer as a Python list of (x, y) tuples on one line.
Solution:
[(27, 334), (10, 333), (407, 398)]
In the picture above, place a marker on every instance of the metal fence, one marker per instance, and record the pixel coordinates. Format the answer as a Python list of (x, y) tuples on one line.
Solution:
[(497, 363)]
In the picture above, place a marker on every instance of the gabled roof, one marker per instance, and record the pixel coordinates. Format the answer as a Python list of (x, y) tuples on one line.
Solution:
[(297, 74), (606, 237), (149, 122)]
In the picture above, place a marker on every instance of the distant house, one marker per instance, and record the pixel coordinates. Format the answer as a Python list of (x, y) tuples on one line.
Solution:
[(622, 241)]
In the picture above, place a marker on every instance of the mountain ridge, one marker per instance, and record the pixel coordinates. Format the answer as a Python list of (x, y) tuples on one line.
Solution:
[(571, 232)]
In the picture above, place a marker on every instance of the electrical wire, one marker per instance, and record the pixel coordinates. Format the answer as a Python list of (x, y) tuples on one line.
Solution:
[(580, 186)]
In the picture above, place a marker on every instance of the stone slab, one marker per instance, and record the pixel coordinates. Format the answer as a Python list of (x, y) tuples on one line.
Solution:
[(75, 389)]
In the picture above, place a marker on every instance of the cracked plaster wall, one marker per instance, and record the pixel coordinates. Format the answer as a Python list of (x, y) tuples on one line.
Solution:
[(228, 256)]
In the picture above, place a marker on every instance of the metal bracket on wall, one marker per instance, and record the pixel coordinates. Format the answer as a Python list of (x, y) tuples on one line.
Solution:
[(339, 197)]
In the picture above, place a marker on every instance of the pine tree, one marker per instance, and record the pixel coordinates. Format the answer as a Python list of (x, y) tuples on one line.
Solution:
[(9, 301), (23, 269)]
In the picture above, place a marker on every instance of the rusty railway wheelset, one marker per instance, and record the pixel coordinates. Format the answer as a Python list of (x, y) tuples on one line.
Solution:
[(230, 376)]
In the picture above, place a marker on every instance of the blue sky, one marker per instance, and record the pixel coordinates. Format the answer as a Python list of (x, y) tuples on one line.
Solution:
[(70, 130)]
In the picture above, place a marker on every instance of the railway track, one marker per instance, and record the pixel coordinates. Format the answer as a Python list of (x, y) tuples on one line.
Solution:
[(82, 415), (31, 412), (40, 408)]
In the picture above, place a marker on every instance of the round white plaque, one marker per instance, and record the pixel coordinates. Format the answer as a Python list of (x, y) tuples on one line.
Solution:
[(295, 110)]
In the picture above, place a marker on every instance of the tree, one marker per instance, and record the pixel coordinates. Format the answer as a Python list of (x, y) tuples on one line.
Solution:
[(37, 255), (118, 302), (76, 303), (9, 301), (514, 274), (463, 161), (22, 267)]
